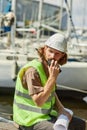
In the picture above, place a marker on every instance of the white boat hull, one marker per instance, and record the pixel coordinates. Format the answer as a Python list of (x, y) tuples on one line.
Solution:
[(74, 75)]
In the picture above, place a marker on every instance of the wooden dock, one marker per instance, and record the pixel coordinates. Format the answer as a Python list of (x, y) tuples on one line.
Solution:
[(8, 126)]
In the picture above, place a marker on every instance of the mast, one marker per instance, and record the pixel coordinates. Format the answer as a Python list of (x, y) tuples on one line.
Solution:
[(1, 10), (69, 12), (61, 14), (1, 6), (84, 15), (39, 18), (13, 28)]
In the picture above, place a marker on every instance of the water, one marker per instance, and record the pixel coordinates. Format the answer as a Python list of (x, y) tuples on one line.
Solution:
[(79, 107)]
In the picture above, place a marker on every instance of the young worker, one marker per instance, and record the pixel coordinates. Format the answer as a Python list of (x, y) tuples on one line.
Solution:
[(36, 106)]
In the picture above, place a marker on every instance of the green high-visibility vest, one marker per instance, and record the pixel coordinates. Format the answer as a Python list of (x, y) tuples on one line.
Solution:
[(25, 111)]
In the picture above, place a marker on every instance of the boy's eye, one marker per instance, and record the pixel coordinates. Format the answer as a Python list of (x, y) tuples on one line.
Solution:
[(50, 51)]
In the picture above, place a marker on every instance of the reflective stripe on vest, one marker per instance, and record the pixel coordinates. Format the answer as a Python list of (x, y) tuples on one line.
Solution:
[(32, 109), (18, 93)]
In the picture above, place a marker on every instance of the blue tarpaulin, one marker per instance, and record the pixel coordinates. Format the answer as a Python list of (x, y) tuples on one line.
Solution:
[(7, 8)]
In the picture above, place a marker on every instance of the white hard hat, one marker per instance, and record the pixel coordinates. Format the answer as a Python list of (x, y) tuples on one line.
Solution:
[(58, 42)]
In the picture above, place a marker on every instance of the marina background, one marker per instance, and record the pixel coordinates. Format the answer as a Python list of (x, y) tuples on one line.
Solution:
[(78, 106)]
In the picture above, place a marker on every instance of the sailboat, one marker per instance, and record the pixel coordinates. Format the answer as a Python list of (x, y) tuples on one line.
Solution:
[(11, 60), (74, 72), (31, 37), (22, 47)]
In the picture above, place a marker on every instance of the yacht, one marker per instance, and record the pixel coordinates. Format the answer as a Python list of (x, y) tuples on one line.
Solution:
[(35, 22)]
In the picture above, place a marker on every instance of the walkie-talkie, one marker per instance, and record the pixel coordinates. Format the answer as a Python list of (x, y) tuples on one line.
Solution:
[(49, 63)]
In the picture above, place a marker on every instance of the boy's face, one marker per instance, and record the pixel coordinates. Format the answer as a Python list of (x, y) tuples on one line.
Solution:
[(56, 55)]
